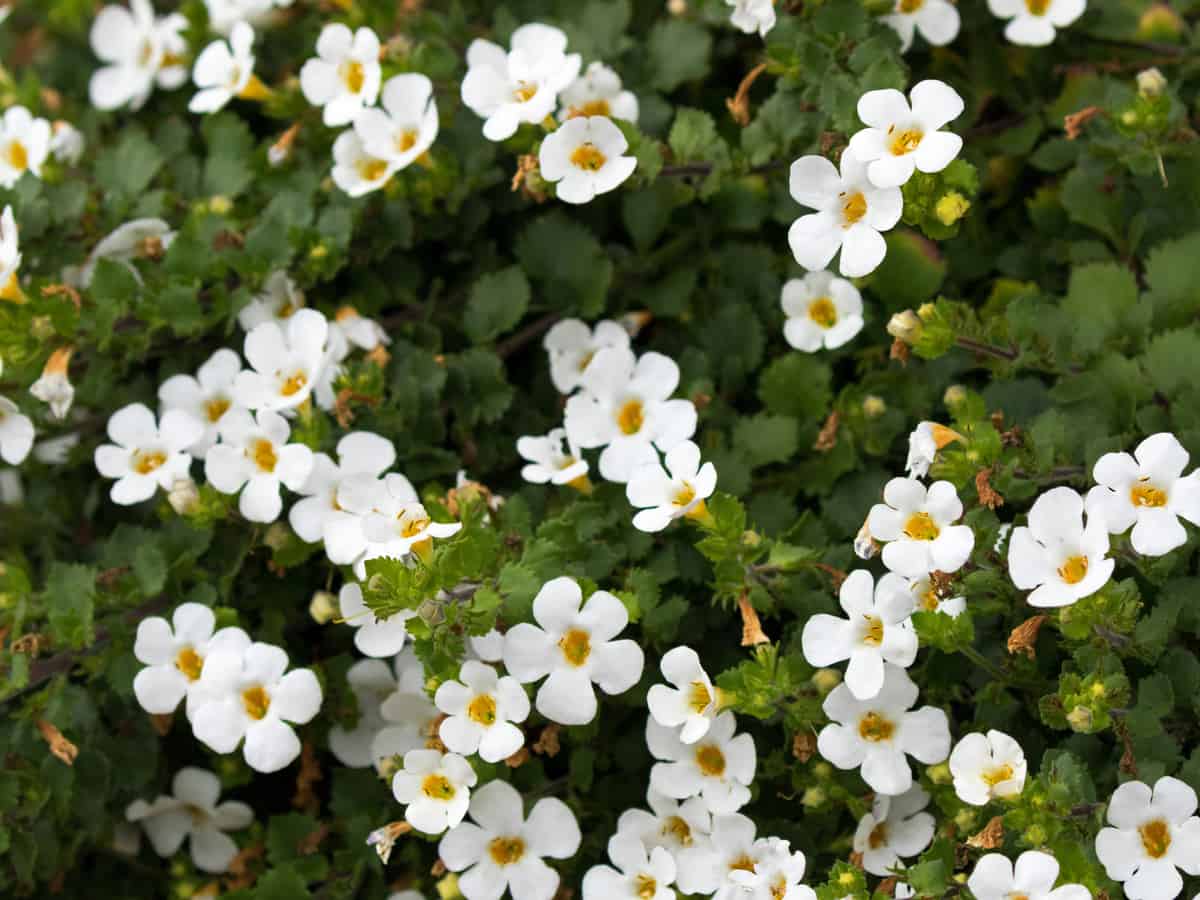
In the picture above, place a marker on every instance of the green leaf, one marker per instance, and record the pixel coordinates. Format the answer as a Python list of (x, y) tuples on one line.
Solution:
[(766, 438), (1097, 301), (70, 602), (497, 303), (677, 51)]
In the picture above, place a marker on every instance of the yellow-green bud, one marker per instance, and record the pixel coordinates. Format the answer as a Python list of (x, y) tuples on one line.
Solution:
[(873, 407), (846, 879), (220, 204), (823, 770), (184, 496), (1098, 689), (951, 207), (1151, 83), (447, 888), (926, 311), (955, 396), (826, 680), (904, 326), (1080, 719), (318, 251), (751, 538), (277, 536), (1160, 23), (1129, 117), (939, 774), (1035, 835), (42, 328), (323, 607), (965, 819), (814, 797)]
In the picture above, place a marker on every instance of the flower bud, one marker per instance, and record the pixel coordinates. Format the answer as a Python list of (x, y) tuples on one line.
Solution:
[(1151, 83), (814, 797), (939, 774), (220, 205), (865, 546), (826, 680), (955, 395), (823, 770), (965, 820), (1080, 719), (54, 387), (1035, 835), (1160, 23), (277, 536), (677, 7), (904, 326), (323, 607), (447, 888), (951, 207), (183, 496), (873, 406)]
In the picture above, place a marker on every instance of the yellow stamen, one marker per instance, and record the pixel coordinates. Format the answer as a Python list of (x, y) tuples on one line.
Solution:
[(909, 6), (873, 633), (854, 208), (294, 384), (684, 495), (699, 697), (1037, 7), (576, 646), (680, 830), (591, 108), (525, 92), (1156, 838), (145, 462), (506, 850), (905, 141), (255, 89), (823, 312), (743, 863), (407, 140), (482, 710), (710, 760), (264, 455), (878, 836), (1074, 570), (921, 527), (413, 521), (353, 75), (645, 887), (216, 407), (1146, 494), (875, 728), (371, 169), (256, 701), (18, 156), (438, 787), (588, 156), (997, 774), (189, 662), (631, 416)]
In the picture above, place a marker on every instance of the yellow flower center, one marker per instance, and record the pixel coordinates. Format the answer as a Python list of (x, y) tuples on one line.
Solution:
[(779, 888), (645, 887), (1146, 494), (588, 157), (996, 775), (294, 384), (630, 417), (875, 728), (909, 6), (744, 863), (1074, 570), (371, 169), (256, 701), (873, 632), (146, 461), (413, 522), (438, 787), (353, 75), (215, 408), (878, 836), (905, 141), (684, 495), (929, 600), (710, 760), (823, 312), (506, 850), (576, 646), (482, 710), (920, 527), (18, 156), (680, 830), (147, 55), (698, 697), (854, 208), (1014, 895), (591, 108), (189, 662), (264, 456), (1156, 838), (407, 140), (525, 92), (285, 311), (1037, 7)]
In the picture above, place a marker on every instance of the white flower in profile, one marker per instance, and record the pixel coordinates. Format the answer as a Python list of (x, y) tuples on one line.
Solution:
[(678, 491), (208, 396), (223, 15), (173, 654), (53, 387), (850, 214), (935, 20), (1153, 834), (1034, 22), (752, 16), (355, 330), (552, 459), (255, 458), (924, 443), (900, 139), (402, 522), (625, 407), (127, 242), (248, 695), (1033, 877), (521, 85), (572, 647), (1057, 556), (597, 92), (146, 454), (673, 824), (584, 157), (24, 145), (878, 734), (139, 50), (894, 829), (718, 768), (877, 630), (345, 74), (192, 812), (638, 874), (16, 433), (1147, 490), (66, 142), (917, 524), (481, 709), (409, 717), (987, 767), (822, 311), (501, 848), (572, 346), (285, 362), (10, 258), (435, 789), (407, 125), (279, 299), (372, 636), (224, 70), (356, 171), (691, 703), (371, 681), (925, 598)]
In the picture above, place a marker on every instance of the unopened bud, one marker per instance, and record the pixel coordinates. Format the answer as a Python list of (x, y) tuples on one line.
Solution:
[(281, 150), (323, 607), (1151, 82), (826, 680), (926, 311), (277, 536), (904, 326), (183, 496), (873, 407), (951, 207), (54, 386), (1035, 836), (865, 546), (814, 797), (823, 770), (1080, 719), (939, 774), (1160, 23), (964, 820), (955, 396), (447, 888), (677, 7), (220, 205)]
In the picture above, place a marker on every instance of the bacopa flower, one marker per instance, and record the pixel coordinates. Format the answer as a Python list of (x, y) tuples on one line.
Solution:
[(896, 828), (146, 454), (822, 311), (480, 709), (736, 865), (24, 145), (572, 346), (192, 812), (224, 70), (923, 445), (878, 734), (926, 598), (208, 397), (133, 240), (285, 361), (901, 138), (372, 636), (552, 459), (371, 681), (1033, 877), (850, 214), (16, 433), (678, 491), (254, 457), (435, 788), (223, 15), (279, 299), (917, 524), (355, 170), (718, 768), (986, 767), (691, 703), (174, 652), (345, 74), (1033, 23), (355, 330), (673, 824), (53, 387), (508, 88), (1153, 833), (877, 630), (1057, 555), (66, 142), (585, 157), (140, 51), (573, 648), (10, 258), (409, 716), (639, 875), (597, 92), (502, 848), (935, 20), (402, 521), (1147, 490), (752, 16), (406, 127)]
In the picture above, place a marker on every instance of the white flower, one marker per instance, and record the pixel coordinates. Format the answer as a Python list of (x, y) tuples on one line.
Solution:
[(223, 15), (224, 70), (937, 21), (66, 142), (1057, 556), (597, 92), (1149, 491), (409, 716), (718, 768), (986, 767), (24, 145), (1033, 877), (692, 703), (481, 708), (53, 386), (850, 213), (507, 89), (624, 407), (345, 74), (356, 171), (638, 875), (1034, 21), (752, 15), (57, 450), (435, 788), (896, 827), (125, 244), (140, 51), (371, 681), (487, 647), (372, 636), (10, 257), (358, 331), (572, 346), (247, 695), (822, 311), (279, 299), (877, 734), (502, 849), (208, 397), (877, 630), (402, 522), (1153, 833), (286, 362), (573, 648), (146, 455), (552, 459), (900, 139), (192, 813), (407, 125), (174, 655), (254, 457), (673, 824), (925, 598), (918, 526), (679, 490), (735, 866), (16, 433), (924, 443), (584, 157)]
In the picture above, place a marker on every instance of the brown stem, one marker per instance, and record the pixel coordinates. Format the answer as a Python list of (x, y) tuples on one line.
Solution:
[(1007, 354), (533, 330)]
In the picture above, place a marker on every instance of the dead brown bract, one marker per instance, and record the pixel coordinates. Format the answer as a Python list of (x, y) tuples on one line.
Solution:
[(547, 742), (1024, 637), (739, 104), (63, 290), (379, 356), (527, 169), (240, 875), (162, 723), (991, 837), (63, 749), (827, 438), (518, 759), (988, 495), (310, 774), (30, 644), (1073, 122), (899, 352), (752, 633), (804, 745)]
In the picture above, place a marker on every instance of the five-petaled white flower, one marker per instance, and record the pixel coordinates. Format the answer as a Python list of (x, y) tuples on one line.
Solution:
[(1057, 556), (673, 824), (10, 257), (638, 874), (822, 311), (24, 145), (139, 50), (878, 734), (208, 397), (734, 865), (372, 636), (900, 139), (345, 74), (435, 788), (552, 459), (1149, 491), (279, 299), (66, 142), (402, 522), (679, 490), (693, 701), (503, 848), (355, 170), (718, 768), (895, 828), (1154, 833), (224, 70), (16, 435), (850, 214), (936, 20), (573, 647), (146, 454), (597, 92), (1033, 877), (584, 157), (752, 16), (253, 457), (986, 767), (372, 681), (917, 524), (924, 443), (286, 362), (407, 125), (223, 15), (1034, 22), (572, 346), (522, 85), (480, 709)]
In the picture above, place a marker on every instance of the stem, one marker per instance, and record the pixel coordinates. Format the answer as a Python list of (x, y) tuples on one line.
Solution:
[(1008, 354), (531, 331), (704, 168), (984, 663)]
